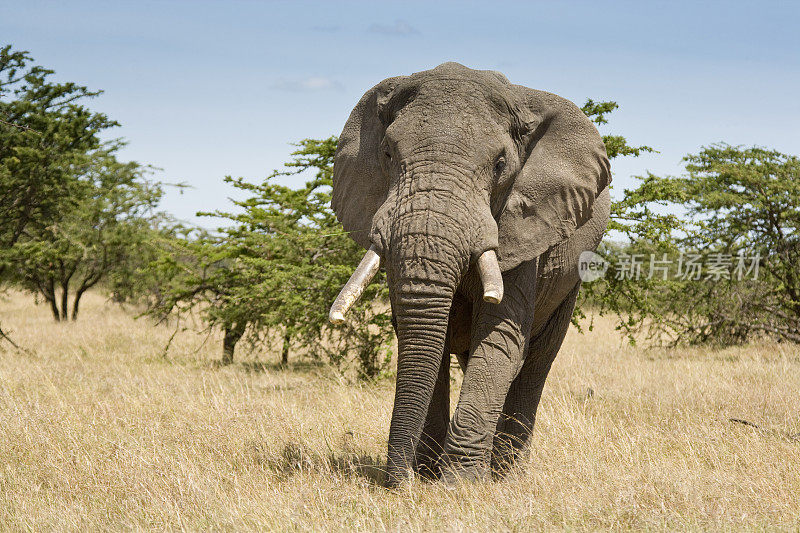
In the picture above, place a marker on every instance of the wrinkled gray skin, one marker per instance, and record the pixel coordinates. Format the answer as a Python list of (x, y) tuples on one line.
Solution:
[(433, 169)]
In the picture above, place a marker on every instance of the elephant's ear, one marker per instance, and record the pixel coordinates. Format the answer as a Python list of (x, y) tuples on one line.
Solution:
[(359, 184), (564, 169)]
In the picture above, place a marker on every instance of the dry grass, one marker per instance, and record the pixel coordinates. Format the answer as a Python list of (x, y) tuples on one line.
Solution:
[(98, 431)]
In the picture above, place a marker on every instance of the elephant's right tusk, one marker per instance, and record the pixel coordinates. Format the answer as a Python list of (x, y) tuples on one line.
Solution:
[(491, 277), (355, 286)]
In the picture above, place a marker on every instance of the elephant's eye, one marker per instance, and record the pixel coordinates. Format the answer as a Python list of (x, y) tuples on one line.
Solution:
[(499, 166), (388, 155)]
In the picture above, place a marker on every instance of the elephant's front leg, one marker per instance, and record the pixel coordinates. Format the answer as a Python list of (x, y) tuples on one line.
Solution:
[(515, 425), (498, 342)]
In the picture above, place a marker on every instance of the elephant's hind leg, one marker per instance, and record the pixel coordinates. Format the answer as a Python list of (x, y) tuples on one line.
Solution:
[(519, 412), (428, 456)]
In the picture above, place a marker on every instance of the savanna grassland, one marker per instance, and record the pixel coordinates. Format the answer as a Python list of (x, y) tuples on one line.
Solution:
[(100, 430)]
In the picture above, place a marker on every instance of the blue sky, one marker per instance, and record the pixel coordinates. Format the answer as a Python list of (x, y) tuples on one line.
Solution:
[(206, 89)]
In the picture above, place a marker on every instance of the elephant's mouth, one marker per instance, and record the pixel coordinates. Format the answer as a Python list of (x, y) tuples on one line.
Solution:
[(487, 264)]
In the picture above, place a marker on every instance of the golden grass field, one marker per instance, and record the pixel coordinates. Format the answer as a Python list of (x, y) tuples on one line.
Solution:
[(99, 431)]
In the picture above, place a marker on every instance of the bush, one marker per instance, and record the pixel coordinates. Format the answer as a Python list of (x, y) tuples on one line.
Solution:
[(275, 270), (734, 215)]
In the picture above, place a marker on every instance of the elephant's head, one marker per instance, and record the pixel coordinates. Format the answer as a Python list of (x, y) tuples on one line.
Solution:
[(436, 169)]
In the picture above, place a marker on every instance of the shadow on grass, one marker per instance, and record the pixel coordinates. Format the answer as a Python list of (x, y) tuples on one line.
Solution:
[(297, 458), (260, 367), (359, 465)]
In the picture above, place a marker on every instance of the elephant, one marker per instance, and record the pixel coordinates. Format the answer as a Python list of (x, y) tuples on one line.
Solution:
[(477, 196)]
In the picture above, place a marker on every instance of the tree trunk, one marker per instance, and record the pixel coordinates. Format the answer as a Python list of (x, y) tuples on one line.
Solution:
[(50, 296), (232, 335), (64, 300), (75, 304), (287, 339), (54, 310)]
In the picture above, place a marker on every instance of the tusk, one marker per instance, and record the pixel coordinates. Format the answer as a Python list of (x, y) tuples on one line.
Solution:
[(355, 286), (491, 277)]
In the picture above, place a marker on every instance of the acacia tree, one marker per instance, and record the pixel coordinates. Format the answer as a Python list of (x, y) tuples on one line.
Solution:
[(740, 227), (44, 127), (70, 212), (193, 271), (44, 131), (275, 269), (109, 217), (309, 259)]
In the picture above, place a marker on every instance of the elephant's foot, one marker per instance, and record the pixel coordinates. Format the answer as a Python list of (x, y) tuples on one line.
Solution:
[(426, 469), (459, 471), (397, 478)]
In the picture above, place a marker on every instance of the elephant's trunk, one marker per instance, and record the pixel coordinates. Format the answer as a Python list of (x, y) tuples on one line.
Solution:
[(428, 243), (422, 310), (423, 278)]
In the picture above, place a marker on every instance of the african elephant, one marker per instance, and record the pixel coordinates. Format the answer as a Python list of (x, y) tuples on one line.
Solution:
[(477, 196)]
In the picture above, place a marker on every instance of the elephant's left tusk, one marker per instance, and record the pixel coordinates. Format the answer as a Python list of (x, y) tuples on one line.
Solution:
[(491, 277), (355, 286)]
